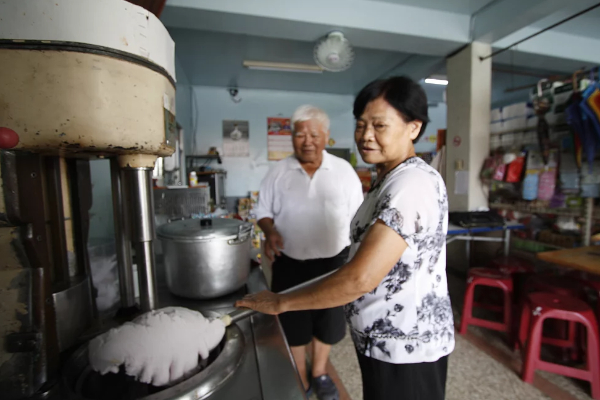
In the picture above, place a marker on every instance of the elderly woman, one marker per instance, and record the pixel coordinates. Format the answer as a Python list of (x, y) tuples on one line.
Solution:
[(394, 287)]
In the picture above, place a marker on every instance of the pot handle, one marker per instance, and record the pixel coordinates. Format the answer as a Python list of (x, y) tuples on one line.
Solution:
[(243, 233), (206, 222)]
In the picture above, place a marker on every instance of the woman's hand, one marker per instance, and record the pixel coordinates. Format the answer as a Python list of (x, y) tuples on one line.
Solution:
[(265, 302)]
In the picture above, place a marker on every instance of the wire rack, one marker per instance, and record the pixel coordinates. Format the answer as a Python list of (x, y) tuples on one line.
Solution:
[(525, 137), (179, 203)]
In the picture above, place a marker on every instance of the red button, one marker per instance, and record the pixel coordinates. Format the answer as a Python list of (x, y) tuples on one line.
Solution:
[(8, 138)]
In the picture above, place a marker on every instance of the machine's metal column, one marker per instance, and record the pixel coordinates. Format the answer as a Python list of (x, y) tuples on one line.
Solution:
[(143, 233), (122, 236)]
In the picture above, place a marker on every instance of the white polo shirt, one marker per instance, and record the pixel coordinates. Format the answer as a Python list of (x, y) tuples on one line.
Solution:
[(312, 215)]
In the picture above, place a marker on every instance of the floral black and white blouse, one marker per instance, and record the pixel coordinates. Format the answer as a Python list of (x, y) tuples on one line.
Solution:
[(407, 318)]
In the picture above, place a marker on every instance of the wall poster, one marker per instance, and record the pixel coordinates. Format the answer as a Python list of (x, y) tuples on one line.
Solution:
[(279, 138)]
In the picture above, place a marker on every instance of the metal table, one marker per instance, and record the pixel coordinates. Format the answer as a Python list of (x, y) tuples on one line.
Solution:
[(468, 235)]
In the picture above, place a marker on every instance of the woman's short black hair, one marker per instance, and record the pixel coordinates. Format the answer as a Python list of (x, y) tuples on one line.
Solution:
[(402, 93)]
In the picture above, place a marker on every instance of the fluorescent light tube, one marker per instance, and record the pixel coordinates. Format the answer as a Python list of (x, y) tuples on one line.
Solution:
[(432, 81), (283, 67)]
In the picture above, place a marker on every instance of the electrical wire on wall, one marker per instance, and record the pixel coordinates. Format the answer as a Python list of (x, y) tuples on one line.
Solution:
[(495, 53)]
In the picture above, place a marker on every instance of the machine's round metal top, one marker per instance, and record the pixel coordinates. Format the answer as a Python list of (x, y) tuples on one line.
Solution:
[(133, 29), (203, 229), (81, 382)]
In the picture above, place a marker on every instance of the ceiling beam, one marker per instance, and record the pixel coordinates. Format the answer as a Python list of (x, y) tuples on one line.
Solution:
[(504, 17), (418, 67), (552, 50), (367, 24)]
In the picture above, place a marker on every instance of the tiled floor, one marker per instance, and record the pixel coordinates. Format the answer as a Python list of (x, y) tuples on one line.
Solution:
[(343, 358), (481, 367), (472, 375)]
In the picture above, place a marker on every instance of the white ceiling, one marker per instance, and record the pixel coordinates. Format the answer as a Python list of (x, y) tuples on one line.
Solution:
[(456, 6), (215, 59), (213, 38)]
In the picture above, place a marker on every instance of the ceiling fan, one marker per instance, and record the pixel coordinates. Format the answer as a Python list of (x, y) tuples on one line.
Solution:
[(334, 53)]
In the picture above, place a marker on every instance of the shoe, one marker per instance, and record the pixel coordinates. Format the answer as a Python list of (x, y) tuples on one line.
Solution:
[(309, 392), (325, 388)]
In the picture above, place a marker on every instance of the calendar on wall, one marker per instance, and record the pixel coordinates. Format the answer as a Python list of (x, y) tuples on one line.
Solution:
[(279, 138)]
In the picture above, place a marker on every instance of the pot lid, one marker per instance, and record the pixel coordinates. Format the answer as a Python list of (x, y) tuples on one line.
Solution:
[(201, 229)]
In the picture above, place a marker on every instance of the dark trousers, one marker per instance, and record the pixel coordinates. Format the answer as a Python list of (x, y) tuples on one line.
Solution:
[(386, 381), (300, 327)]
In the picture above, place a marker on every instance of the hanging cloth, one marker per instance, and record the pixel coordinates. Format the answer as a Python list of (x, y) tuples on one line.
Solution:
[(591, 126), (591, 107), (581, 126), (575, 121), (541, 105)]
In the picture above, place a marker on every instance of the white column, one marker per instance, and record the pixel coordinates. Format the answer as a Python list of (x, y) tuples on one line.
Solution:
[(468, 137)]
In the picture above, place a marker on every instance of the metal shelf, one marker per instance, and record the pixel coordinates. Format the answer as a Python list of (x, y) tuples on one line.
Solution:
[(511, 131), (209, 157), (525, 208), (555, 247), (532, 209), (529, 129)]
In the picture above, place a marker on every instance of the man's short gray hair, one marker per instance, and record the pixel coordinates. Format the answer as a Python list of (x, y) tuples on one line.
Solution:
[(308, 112)]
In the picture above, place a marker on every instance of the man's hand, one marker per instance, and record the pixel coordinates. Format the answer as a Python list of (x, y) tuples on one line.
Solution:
[(265, 302), (273, 243)]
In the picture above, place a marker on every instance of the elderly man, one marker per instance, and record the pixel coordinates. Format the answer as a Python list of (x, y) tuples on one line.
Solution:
[(306, 204)]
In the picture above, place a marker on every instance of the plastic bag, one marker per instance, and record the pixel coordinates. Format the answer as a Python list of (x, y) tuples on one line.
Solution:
[(499, 173), (569, 175), (547, 182), (530, 186), (515, 170), (532, 176)]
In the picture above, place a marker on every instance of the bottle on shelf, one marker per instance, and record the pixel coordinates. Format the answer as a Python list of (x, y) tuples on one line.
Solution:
[(193, 179)]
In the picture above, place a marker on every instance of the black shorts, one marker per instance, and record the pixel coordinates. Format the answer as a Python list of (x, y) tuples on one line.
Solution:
[(420, 381), (328, 325)]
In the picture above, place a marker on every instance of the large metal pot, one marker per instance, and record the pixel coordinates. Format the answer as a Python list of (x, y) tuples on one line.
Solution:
[(206, 258)]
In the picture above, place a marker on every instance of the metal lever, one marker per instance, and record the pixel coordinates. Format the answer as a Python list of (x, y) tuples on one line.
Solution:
[(243, 313)]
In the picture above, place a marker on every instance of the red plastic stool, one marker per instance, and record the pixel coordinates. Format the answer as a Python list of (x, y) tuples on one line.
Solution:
[(590, 282), (594, 285), (541, 306), (512, 265), (520, 270), (491, 278), (562, 286)]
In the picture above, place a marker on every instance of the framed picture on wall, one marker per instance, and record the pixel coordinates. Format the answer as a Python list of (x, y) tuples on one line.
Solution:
[(236, 138)]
